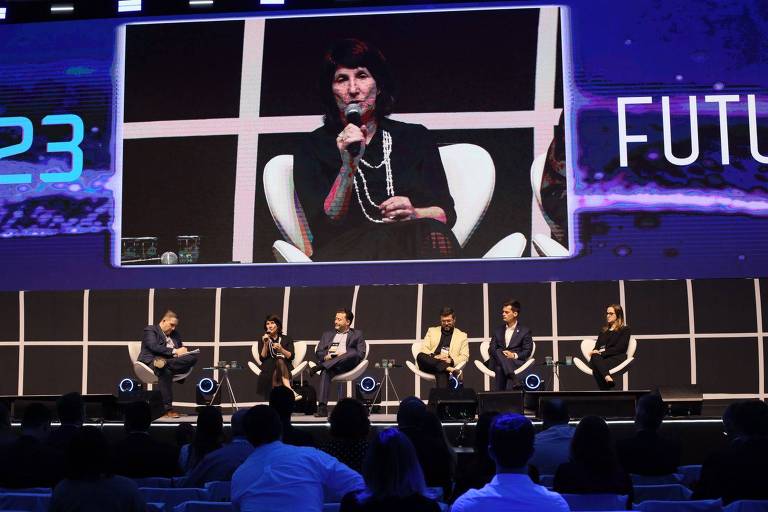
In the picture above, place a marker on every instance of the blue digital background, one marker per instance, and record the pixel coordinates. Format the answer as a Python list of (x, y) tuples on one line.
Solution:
[(651, 220)]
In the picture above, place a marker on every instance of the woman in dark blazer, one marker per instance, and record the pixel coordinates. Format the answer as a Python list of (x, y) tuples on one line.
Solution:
[(276, 358), (610, 348)]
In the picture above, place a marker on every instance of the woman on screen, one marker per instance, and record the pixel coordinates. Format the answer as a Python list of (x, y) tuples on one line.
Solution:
[(610, 347), (371, 188), (276, 358)]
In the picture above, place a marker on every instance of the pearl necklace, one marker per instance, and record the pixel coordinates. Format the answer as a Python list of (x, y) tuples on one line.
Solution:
[(387, 163)]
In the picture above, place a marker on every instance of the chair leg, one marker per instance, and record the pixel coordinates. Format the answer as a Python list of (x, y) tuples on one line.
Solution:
[(340, 394)]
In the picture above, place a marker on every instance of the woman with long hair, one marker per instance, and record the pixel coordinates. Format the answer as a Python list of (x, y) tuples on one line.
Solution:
[(209, 434), (277, 354), (393, 478), (611, 346)]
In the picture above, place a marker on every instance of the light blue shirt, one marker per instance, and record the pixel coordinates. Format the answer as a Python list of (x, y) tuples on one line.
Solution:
[(279, 477), (551, 448), (511, 492)]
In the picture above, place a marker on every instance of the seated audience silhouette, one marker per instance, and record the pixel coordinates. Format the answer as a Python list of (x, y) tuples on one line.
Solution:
[(510, 446), (435, 456), (480, 469), (138, 455), (594, 467), (738, 471), (71, 411), (648, 453), (349, 433), (219, 465), (88, 485), (283, 400), (208, 437), (277, 476), (29, 461), (393, 478), (553, 444)]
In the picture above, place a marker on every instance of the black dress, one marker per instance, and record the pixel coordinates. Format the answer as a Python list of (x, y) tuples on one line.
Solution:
[(615, 344), (417, 173), (268, 365)]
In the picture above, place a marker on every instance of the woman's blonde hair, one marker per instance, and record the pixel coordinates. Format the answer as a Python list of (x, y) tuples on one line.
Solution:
[(619, 317)]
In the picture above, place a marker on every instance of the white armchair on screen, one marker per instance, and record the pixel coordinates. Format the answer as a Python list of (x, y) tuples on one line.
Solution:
[(486, 355), (144, 373), (542, 243), (588, 345), (299, 364), (413, 365), (471, 179)]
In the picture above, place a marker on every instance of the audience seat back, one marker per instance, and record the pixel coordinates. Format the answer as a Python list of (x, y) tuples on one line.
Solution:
[(596, 501)]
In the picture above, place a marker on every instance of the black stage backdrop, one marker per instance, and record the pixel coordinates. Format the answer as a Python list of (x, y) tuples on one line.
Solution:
[(708, 332)]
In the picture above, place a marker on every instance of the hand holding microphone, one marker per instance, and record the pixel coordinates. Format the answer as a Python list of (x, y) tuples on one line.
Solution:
[(351, 140)]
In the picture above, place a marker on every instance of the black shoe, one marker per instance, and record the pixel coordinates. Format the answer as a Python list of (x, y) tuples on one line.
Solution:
[(322, 411), (316, 369)]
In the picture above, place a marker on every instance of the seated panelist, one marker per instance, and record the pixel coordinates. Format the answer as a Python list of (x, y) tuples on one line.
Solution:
[(445, 347), (510, 346)]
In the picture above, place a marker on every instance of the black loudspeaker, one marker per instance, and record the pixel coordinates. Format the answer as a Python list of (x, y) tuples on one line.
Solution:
[(205, 390), (453, 405), (685, 400), (500, 401), (153, 398)]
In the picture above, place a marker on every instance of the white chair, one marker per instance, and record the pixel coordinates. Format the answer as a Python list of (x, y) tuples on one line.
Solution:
[(144, 372), (486, 355), (349, 376), (471, 178), (299, 364), (588, 344), (542, 243), (416, 350), (596, 501)]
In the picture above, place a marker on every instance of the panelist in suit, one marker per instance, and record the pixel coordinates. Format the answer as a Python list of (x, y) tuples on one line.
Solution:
[(610, 348), (444, 349), (338, 351), (163, 351), (510, 346)]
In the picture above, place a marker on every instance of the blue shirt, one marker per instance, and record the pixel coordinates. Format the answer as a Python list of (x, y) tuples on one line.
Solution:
[(551, 448), (219, 465), (510, 492), (279, 477)]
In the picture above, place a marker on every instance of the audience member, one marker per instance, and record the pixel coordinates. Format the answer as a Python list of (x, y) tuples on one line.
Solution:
[(349, 433), (594, 467), (7, 435), (393, 478), (29, 461), (219, 465), (510, 446), (184, 435), (552, 446), (71, 411), (138, 455), (278, 476), (282, 400), (435, 456), (88, 485), (209, 434), (481, 468), (738, 471), (648, 453)]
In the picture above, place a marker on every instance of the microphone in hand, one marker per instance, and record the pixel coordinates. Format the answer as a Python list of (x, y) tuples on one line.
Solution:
[(354, 115)]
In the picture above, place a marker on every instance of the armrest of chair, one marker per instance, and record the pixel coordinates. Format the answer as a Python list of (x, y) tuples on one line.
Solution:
[(484, 369), (144, 373), (415, 369), (255, 369), (299, 368), (621, 366), (546, 246), (287, 253), (511, 246), (581, 365), (525, 366)]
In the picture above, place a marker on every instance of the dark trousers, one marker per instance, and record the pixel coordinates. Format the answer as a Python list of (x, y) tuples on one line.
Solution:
[(436, 367), (173, 366), (601, 366), (333, 367), (506, 379)]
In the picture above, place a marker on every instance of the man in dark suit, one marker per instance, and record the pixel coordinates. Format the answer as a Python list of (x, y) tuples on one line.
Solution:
[(337, 352), (510, 346), (163, 351)]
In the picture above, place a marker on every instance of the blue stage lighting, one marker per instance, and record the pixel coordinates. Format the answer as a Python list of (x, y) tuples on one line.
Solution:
[(532, 382), (126, 385), (206, 385), (368, 384)]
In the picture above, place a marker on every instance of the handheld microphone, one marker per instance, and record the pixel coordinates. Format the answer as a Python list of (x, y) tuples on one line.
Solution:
[(354, 115)]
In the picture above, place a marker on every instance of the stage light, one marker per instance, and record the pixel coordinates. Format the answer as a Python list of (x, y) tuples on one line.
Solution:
[(3, 12), (62, 8), (127, 385), (129, 390), (205, 390), (367, 391), (272, 2), (532, 382), (200, 3), (454, 383), (128, 5)]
